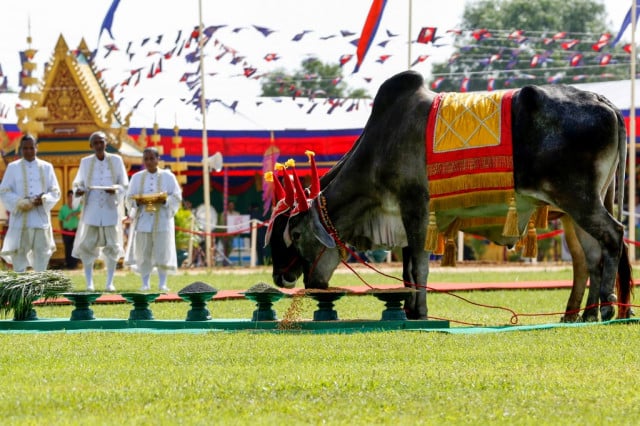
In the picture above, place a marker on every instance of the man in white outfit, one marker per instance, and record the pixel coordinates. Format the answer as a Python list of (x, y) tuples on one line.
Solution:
[(152, 242), (29, 190), (102, 181)]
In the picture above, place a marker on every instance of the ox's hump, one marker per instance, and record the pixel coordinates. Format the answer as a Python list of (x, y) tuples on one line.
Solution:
[(396, 88)]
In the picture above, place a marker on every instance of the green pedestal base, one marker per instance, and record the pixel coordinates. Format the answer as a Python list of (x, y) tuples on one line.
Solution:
[(393, 300), (264, 303), (140, 302), (326, 300), (82, 303), (198, 301)]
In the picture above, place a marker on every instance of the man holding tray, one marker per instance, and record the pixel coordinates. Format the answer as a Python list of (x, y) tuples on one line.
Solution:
[(29, 190), (102, 181), (153, 198)]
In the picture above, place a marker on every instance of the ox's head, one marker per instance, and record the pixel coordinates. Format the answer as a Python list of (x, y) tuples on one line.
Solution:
[(286, 262), (317, 251), (295, 248)]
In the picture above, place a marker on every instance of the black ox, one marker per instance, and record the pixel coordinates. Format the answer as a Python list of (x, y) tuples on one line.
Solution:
[(569, 148)]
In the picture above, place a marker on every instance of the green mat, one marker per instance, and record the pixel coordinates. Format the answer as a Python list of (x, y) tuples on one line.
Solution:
[(233, 325)]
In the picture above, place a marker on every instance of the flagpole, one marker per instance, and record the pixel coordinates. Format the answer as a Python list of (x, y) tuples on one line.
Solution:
[(205, 144), (409, 36), (632, 135)]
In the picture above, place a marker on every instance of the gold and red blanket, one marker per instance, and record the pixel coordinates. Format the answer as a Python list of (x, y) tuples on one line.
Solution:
[(469, 150)]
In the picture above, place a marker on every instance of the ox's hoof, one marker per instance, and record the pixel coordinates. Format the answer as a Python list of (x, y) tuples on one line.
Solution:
[(607, 312), (570, 318), (590, 316)]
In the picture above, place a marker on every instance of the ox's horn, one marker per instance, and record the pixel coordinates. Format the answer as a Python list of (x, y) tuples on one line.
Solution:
[(301, 196), (277, 187), (289, 191), (315, 180)]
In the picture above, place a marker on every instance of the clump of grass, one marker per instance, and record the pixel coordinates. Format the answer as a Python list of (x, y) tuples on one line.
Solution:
[(18, 291)]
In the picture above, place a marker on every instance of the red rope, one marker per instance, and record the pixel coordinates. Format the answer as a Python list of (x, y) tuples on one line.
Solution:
[(513, 320), (219, 234)]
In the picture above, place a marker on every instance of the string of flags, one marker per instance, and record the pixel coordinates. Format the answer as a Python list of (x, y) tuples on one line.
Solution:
[(507, 49), (501, 57)]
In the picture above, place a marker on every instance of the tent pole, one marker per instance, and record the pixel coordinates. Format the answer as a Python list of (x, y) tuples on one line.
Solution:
[(205, 143)]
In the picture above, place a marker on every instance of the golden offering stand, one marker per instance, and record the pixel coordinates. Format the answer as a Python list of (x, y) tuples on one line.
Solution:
[(150, 200)]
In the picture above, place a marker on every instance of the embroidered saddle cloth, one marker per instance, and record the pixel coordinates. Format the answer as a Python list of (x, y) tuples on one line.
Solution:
[(469, 150)]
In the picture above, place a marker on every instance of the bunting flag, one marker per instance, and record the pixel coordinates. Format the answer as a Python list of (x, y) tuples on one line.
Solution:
[(264, 30), (464, 86), (625, 23), (369, 31), (419, 59), (602, 42), (436, 83), (426, 35), (299, 36), (344, 59), (568, 45), (107, 22), (574, 61), (605, 59)]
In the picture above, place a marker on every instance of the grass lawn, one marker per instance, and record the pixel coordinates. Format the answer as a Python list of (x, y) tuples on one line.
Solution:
[(559, 376)]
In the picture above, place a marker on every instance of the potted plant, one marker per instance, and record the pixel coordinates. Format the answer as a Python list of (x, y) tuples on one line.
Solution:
[(18, 291)]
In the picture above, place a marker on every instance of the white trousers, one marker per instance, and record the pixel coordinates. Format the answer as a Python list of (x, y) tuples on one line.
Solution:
[(34, 249), (96, 237), (152, 249)]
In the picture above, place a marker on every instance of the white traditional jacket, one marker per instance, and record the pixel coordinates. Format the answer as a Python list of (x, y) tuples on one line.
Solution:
[(101, 208), (25, 180), (160, 220)]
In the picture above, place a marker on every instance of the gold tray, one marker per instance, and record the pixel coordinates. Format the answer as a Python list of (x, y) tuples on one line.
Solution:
[(150, 200)]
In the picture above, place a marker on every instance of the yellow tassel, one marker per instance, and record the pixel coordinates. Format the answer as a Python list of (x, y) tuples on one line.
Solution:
[(542, 217), (449, 257), (511, 223), (518, 247), (431, 244), (530, 242), (439, 251)]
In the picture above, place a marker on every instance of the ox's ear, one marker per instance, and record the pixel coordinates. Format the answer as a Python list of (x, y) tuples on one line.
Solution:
[(286, 236), (319, 230)]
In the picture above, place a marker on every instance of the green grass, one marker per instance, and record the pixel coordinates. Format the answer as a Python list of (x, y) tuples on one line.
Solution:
[(560, 376)]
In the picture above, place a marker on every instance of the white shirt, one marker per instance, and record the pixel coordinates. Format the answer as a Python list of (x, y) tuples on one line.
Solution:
[(28, 179), (161, 219), (101, 208)]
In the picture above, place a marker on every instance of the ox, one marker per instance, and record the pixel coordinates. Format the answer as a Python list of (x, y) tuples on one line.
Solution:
[(569, 148)]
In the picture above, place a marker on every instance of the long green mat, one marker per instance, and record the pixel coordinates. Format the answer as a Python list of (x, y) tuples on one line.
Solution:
[(233, 325)]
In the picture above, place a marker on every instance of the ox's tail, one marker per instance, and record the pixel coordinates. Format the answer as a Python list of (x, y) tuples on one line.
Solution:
[(624, 281), (622, 162), (624, 284)]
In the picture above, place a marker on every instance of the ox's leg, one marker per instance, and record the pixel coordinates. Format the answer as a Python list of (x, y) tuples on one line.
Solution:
[(602, 247), (415, 258), (580, 271)]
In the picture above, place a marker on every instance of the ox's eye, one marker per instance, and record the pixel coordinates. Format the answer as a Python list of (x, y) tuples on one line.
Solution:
[(296, 236)]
